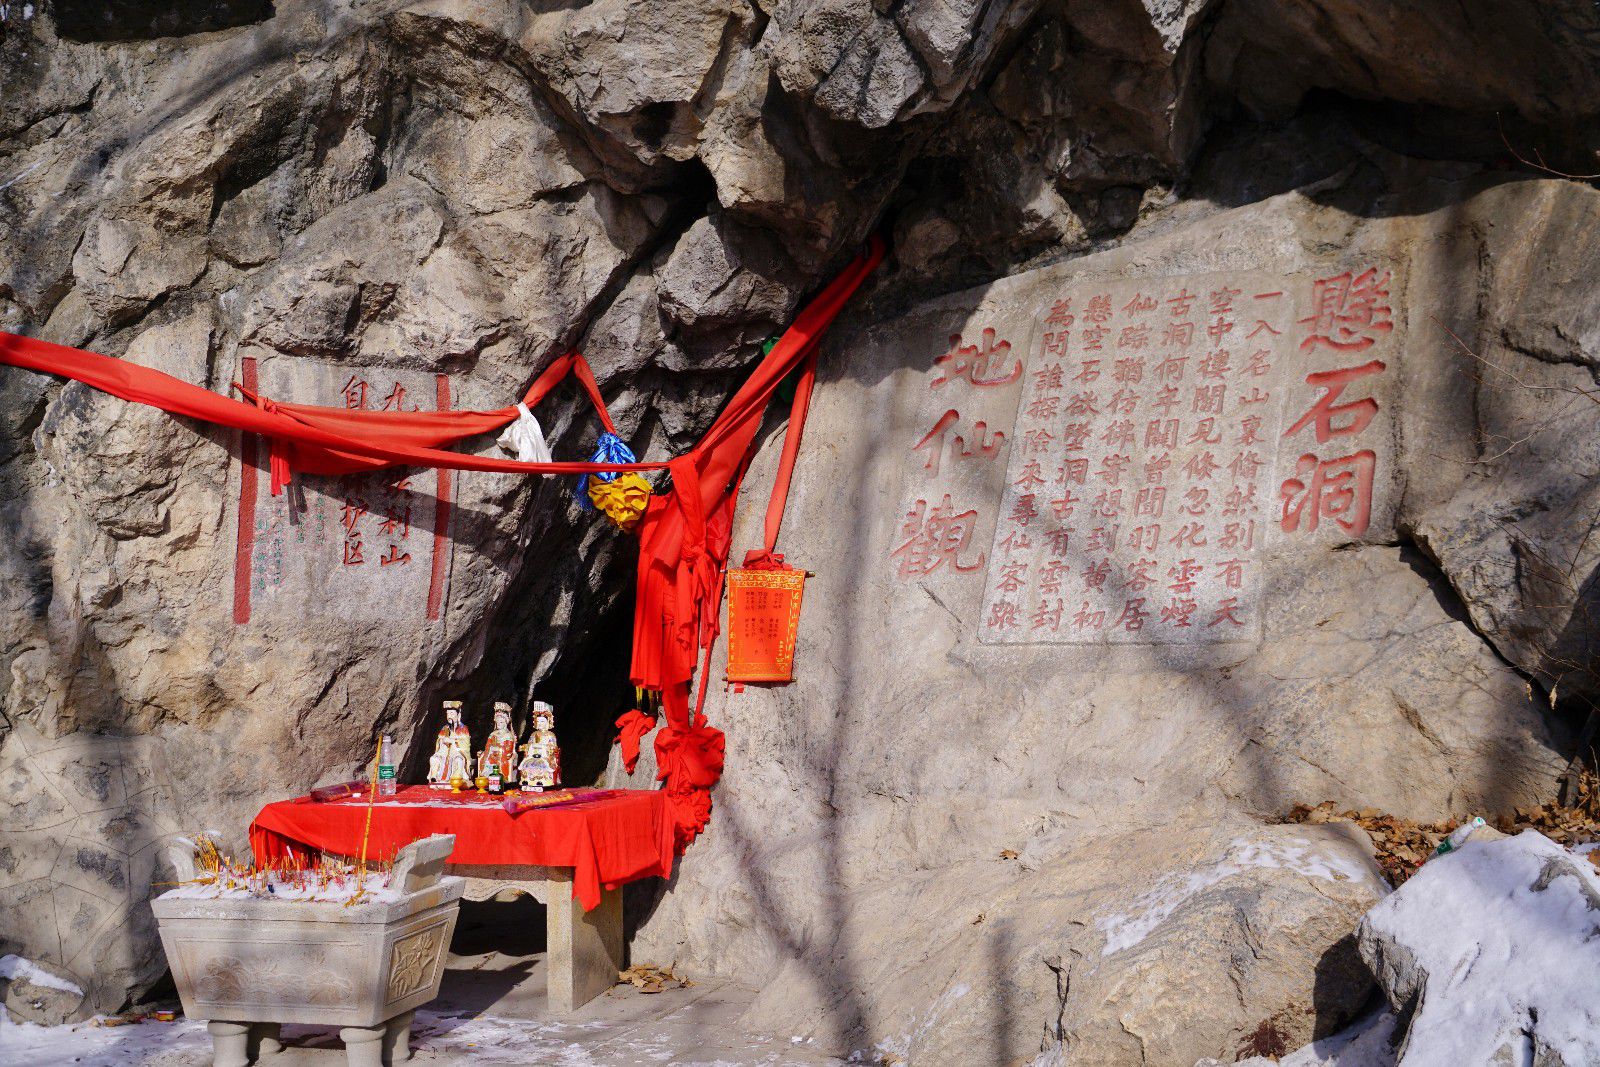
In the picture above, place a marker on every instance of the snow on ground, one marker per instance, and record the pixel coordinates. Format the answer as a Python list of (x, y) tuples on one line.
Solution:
[(436, 1037), (99, 1046), (14, 967)]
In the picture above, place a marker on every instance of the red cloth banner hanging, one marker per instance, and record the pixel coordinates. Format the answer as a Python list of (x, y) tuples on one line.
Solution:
[(316, 440), (763, 621)]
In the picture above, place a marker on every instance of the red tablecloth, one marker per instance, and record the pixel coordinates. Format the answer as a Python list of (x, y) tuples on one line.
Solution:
[(609, 840)]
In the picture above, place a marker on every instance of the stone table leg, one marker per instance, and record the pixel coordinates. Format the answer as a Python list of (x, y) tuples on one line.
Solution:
[(265, 1040), (397, 1038), (229, 1044), (363, 1045), (584, 947)]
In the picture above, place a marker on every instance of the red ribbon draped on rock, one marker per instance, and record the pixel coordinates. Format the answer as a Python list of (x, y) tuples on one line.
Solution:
[(426, 428), (683, 538), (316, 440)]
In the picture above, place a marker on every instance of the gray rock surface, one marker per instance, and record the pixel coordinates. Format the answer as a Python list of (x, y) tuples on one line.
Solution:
[(1249, 949), (1356, 672), (1133, 973), (1488, 955), (439, 196)]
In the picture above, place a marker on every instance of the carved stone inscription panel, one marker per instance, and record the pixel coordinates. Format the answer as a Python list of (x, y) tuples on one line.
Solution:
[(369, 546), (1167, 433)]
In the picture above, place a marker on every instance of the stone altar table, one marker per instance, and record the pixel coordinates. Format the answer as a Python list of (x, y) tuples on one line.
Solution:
[(573, 858)]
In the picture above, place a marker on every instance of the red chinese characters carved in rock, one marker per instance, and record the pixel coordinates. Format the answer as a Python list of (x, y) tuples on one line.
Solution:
[(934, 538), (989, 363), (354, 392), (1339, 490), (1348, 310), (362, 498), (1133, 495), (350, 517), (985, 444), (1321, 416), (396, 400)]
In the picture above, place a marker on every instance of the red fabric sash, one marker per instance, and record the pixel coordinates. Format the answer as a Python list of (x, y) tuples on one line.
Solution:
[(329, 439), (425, 428), (689, 761), (684, 536), (684, 540)]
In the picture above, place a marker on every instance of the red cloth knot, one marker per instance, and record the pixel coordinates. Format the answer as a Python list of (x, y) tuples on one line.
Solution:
[(632, 726), (689, 760)]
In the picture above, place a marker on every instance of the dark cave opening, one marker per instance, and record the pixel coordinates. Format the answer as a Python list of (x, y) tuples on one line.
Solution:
[(589, 690), (140, 20)]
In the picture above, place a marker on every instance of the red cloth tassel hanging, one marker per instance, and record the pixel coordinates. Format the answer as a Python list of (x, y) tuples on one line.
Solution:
[(631, 728)]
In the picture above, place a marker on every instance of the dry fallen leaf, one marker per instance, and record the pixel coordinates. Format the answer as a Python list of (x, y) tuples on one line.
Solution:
[(1008, 853), (1403, 845), (647, 978)]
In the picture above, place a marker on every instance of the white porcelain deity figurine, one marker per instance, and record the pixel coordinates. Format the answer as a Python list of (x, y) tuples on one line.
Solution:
[(452, 755), (541, 767), (500, 750)]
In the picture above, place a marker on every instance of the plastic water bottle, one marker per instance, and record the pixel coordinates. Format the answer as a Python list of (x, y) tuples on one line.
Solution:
[(1458, 836), (386, 780)]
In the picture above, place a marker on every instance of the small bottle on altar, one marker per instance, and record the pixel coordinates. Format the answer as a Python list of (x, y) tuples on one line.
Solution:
[(495, 783), (386, 779)]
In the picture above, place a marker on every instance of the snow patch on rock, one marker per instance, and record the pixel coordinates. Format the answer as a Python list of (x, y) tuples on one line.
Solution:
[(1498, 947), (1157, 904), (14, 967)]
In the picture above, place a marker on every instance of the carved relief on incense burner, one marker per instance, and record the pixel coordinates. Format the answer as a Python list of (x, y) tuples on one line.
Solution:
[(411, 962), (263, 981)]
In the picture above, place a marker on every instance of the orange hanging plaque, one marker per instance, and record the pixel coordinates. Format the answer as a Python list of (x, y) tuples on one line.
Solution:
[(763, 618)]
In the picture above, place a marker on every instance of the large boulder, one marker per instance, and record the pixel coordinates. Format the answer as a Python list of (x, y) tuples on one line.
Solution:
[(37, 993), (1035, 650), (1491, 954), (1189, 942), (1249, 949)]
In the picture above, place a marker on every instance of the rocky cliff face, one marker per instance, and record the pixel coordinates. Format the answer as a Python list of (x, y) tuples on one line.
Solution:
[(422, 203)]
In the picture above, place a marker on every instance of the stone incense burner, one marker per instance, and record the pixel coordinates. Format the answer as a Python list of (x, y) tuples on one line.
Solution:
[(249, 965)]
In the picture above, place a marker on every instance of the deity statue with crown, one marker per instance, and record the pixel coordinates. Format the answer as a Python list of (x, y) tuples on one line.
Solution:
[(541, 767), (500, 750), (452, 754)]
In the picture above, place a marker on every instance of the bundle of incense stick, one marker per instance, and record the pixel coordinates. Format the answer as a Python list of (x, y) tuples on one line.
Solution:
[(327, 877), (529, 801), (339, 791)]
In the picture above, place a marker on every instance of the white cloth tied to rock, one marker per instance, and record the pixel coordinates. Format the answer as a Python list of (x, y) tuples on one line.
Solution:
[(525, 439)]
